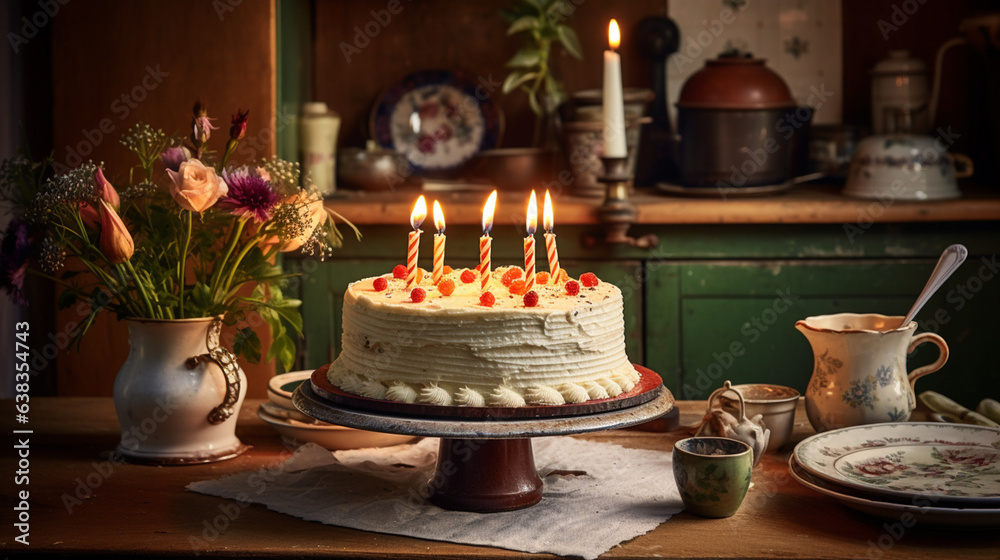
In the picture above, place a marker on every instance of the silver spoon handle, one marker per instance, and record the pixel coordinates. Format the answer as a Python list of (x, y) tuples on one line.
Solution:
[(949, 262)]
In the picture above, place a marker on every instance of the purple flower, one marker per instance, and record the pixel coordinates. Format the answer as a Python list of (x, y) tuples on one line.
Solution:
[(14, 249), (249, 194), (172, 158)]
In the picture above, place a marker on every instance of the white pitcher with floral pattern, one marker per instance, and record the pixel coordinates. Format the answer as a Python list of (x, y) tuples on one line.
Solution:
[(860, 376)]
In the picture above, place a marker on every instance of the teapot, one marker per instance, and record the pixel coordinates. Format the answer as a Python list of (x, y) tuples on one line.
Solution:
[(860, 376), (729, 422)]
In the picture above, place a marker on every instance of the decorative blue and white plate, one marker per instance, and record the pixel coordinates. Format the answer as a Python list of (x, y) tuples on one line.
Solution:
[(437, 119)]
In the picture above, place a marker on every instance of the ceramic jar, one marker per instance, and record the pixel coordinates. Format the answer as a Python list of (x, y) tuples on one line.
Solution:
[(860, 373), (178, 394), (900, 81)]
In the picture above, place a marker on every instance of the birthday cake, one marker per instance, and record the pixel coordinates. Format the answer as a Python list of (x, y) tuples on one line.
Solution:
[(561, 341)]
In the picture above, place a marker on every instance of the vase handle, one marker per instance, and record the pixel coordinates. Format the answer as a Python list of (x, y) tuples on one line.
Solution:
[(226, 361)]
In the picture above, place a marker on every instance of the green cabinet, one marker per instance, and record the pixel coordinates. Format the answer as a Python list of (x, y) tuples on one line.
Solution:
[(717, 303)]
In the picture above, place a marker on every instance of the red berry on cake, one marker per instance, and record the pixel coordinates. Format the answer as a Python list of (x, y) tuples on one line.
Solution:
[(530, 299), (446, 287), (513, 273), (399, 271), (572, 287), (380, 284), (518, 287), (589, 279), (468, 277), (487, 299), (447, 269), (418, 295), (542, 278)]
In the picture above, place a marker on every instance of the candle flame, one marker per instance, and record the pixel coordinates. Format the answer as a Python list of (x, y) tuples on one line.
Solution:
[(419, 213), (614, 35), (438, 217), (491, 204), (547, 213), (532, 222)]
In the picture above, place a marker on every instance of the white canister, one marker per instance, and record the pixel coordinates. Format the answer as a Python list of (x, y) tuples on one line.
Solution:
[(901, 81), (318, 141)]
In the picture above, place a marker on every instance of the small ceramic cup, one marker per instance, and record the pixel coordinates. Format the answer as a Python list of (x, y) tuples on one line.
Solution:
[(776, 403), (712, 474)]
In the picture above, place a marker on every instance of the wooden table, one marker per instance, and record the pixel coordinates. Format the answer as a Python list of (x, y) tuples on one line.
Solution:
[(83, 504)]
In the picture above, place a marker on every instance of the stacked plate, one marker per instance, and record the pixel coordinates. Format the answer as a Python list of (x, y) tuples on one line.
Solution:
[(297, 429), (940, 474)]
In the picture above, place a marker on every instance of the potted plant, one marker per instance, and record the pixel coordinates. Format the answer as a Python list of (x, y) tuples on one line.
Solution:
[(542, 25), (188, 247)]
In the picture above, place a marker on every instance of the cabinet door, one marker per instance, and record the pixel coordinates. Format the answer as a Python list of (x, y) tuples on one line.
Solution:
[(736, 320)]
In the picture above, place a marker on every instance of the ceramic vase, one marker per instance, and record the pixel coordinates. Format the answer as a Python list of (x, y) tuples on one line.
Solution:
[(179, 393)]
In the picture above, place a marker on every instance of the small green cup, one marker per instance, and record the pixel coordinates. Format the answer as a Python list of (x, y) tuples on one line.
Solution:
[(712, 474)]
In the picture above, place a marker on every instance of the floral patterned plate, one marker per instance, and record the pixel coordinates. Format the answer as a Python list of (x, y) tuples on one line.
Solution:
[(957, 463), (921, 509), (437, 119)]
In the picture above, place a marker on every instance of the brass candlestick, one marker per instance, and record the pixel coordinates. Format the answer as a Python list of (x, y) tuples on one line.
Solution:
[(617, 213)]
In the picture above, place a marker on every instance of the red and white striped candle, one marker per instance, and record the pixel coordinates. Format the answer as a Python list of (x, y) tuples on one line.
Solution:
[(550, 238), (486, 242), (413, 247), (439, 241), (530, 223)]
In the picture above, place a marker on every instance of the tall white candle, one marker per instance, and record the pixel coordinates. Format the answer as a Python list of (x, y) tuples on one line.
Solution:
[(614, 99)]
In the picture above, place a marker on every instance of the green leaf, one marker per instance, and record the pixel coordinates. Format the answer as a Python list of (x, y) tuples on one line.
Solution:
[(569, 41), (66, 299), (536, 108), (523, 23), (283, 351), (516, 79), (246, 343), (527, 57)]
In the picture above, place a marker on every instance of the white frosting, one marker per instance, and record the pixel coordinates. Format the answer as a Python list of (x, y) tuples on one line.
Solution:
[(469, 397), (543, 394), (432, 394), (400, 392), (449, 350)]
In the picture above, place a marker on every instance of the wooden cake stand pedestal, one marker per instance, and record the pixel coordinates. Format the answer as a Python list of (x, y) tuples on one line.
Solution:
[(485, 462)]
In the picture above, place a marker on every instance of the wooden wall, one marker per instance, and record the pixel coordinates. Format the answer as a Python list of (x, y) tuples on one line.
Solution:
[(455, 35), (118, 62)]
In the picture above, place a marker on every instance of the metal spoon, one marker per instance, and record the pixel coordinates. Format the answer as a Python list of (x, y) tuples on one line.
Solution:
[(949, 262)]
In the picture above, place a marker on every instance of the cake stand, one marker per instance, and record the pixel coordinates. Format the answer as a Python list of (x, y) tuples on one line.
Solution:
[(485, 461)]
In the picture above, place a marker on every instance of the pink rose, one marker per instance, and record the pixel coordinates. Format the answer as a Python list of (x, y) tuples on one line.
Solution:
[(195, 186)]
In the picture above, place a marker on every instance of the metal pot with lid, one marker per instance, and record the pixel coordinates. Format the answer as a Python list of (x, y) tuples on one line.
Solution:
[(735, 121)]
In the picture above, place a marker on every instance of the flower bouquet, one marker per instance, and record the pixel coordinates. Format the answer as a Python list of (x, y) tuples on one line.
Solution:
[(190, 245), (195, 239)]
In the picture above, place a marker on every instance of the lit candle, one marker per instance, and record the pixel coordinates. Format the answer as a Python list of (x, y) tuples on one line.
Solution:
[(413, 247), (438, 243), (550, 238), (530, 223), (486, 242), (614, 100)]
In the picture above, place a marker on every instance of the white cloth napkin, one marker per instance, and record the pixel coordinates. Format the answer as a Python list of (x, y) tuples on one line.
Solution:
[(624, 493)]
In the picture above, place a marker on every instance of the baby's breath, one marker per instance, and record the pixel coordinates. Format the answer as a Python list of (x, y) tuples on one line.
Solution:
[(61, 191), (51, 255), (147, 143), (284, 175), (137, 192)]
